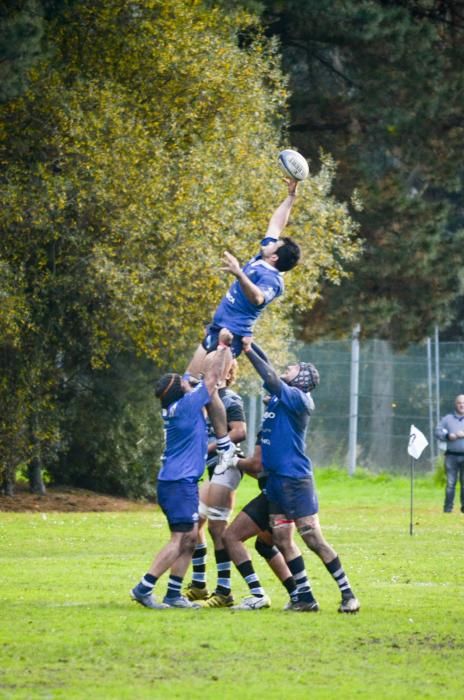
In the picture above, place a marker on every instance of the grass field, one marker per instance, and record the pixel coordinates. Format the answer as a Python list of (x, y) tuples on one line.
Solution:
[(68, 629)]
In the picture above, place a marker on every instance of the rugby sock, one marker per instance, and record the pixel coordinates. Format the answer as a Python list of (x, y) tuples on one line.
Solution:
[(199, 566), (146, 584), (248, 573), (303, 587), (223, 443), (174, 587), (224, 566), (290, 585), (337, 572)]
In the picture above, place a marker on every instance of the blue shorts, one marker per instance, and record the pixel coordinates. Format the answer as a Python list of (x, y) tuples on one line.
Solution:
[(295, 498), (179, 501), (211, 339)]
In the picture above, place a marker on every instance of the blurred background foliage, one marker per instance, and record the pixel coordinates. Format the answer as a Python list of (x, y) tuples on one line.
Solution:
[(138, 141)]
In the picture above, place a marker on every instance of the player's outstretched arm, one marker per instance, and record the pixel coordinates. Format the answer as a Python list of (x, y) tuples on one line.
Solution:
[(280, 217), (252, 292), (265, 370)]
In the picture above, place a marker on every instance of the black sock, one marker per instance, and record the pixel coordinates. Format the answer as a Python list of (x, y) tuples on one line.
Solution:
[(303, 586), (199, 566), (290, 585), (147, 583), (335, 569), (174, 587), (248, 573), (224, 566)]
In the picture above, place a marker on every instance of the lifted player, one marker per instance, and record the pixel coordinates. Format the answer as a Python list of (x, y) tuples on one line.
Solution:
[(256, 285)]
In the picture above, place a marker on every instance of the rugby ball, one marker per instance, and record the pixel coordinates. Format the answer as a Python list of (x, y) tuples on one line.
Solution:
[(293, 164)]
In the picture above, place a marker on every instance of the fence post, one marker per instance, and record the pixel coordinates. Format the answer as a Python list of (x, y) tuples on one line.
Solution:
[(354, 395), (431, 416), (437, 375)]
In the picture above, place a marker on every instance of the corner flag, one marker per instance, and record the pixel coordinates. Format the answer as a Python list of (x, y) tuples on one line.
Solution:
[(417, 442)]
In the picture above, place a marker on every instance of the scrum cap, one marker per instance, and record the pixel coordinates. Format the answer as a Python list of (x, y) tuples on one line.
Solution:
[(307, 378)]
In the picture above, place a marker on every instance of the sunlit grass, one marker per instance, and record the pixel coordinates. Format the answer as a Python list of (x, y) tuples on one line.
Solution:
[(69, 630)]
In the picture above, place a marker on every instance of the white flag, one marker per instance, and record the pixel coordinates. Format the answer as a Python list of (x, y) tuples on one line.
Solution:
[(417, 442)]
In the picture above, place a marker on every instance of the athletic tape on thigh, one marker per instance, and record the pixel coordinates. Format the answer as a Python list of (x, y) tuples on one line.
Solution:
[(305, 529), (281, 522), (218, 513)]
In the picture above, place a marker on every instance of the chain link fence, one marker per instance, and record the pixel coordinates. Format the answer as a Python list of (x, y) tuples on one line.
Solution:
[(395, 389)]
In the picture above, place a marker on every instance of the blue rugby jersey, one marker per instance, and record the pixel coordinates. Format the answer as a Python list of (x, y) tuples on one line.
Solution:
[(235, 311), (283, 433), (186, 446)]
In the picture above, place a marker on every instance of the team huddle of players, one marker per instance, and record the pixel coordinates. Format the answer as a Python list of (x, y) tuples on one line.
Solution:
[(204, 416)]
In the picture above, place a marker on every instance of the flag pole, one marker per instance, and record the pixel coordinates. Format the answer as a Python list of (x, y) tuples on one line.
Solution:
[(411, 527), (417, 444)]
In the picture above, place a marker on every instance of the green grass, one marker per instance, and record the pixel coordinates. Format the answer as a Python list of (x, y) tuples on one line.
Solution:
[(68, 629)]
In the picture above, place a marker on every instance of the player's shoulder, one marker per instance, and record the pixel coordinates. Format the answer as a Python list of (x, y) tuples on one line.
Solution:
[(295, 398), (198, 396), (229, 396)]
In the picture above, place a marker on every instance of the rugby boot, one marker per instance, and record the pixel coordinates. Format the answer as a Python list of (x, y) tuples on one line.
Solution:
[(349, 605), (192, 592), (253, 602), (218, 600)]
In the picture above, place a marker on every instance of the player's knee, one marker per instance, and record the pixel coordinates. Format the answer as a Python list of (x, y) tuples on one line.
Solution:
[(189, 541), (267, 551), (311, 536), (228, 536)]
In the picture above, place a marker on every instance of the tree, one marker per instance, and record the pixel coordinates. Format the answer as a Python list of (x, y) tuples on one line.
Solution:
[(378, 84), (146, 139)]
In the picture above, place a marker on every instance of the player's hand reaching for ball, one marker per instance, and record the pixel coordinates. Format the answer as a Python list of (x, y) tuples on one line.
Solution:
[(292, 186)]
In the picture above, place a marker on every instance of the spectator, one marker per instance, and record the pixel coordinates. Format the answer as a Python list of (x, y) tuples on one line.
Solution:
[(451, 431)]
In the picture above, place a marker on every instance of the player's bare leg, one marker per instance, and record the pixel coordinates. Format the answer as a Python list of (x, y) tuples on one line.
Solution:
[(179, 547), (176, 554), (197, 363), (216, 409), (197, 588), (243, 528), (310, 530), (220, 501), (283, 531)]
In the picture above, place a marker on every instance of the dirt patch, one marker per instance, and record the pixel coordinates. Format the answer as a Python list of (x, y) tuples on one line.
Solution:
[(66, 499)]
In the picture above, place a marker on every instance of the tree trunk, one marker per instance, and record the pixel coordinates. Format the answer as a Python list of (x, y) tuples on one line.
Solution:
[(8, 483), (36, 484)]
